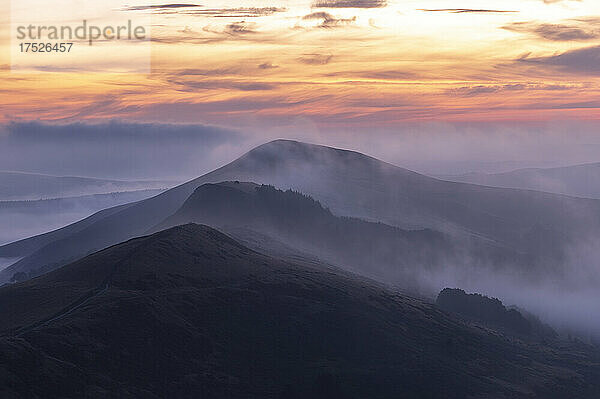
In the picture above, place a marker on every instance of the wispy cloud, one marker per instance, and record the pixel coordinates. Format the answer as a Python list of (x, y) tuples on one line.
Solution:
[(374, 75), (328, 20), (555, 32), (200, 10), (315, 59), (349, 3), (240, 28), (268, 65), (584, 61), (192, 85), (477, 90), (239, 12), (465, 10), (161, 7)]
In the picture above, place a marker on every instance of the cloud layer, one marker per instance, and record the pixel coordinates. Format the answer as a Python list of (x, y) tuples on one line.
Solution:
[(114, 149)]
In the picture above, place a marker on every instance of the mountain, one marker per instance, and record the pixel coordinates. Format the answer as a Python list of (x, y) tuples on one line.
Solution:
[(189, 312), (540, 225), (577, 180), (32, 217), (21, 186)]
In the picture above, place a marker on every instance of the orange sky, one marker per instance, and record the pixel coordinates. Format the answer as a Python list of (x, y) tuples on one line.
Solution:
[(333, 64)]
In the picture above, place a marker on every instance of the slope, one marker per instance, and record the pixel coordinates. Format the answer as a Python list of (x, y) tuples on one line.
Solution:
[(189, 312), (576, 180)]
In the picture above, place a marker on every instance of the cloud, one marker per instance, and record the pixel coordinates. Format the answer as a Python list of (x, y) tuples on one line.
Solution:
[(349, 4), (196, 85), (374, 74), (245, 31), (584, 61), (230, 78), (315, 59), (328, 20), (161, 7), (267, 65), (476, 90), (555, 32), (208, 72), (113, 149), (240, 28), (470, 91), (199, 10), (465, 10), (239, 12)]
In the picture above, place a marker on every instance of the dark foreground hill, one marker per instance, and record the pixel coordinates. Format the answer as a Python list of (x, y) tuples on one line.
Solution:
[(545, 227), (189, 312), (493, 313)]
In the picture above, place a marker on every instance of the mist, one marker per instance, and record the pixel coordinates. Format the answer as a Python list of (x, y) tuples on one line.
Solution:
[(23, 219), (126, 150), (562, 292), (438, 148), (5, 262), (569, 305), (129, 150), (115, 149)]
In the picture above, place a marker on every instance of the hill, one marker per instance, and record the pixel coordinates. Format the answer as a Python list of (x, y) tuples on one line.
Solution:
[(21, 186), (372, 249), (539, 225), (22, 219), (577, 180), (189, 312)]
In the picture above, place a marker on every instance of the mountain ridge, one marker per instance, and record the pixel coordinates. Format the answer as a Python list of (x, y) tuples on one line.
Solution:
[(299, 221), (351, 184)]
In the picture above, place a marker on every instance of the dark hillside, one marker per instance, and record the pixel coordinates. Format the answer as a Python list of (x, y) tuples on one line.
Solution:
[(189, 312)]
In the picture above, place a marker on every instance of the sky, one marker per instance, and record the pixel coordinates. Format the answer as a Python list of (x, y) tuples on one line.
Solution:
[(334, 64), (437, 86)]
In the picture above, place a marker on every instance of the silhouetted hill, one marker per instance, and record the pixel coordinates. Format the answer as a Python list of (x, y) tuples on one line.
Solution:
[(491, 312), (189, 312), (538, 225), (576, 180), (372, 249)]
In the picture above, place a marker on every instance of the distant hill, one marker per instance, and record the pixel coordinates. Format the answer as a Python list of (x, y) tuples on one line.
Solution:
[(22, 219), (20, 186), (577, 180), (189, 312), (538, 225)]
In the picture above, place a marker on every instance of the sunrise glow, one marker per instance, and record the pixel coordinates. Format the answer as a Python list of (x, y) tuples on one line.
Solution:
[(336, 64)]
